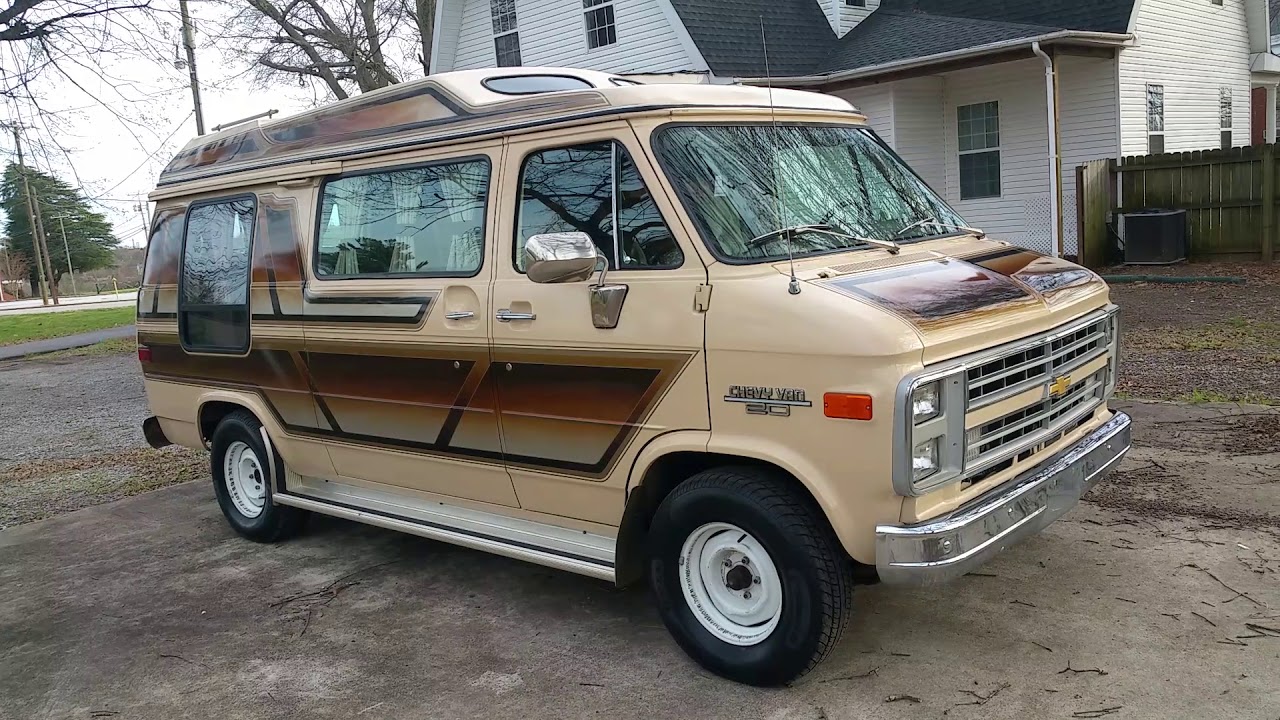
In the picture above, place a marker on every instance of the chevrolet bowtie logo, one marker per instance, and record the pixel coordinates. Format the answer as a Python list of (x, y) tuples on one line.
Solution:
[(1059, 386)]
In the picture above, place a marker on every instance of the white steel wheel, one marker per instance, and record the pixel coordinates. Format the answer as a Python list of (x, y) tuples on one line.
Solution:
[(245, 479), (730, 584)]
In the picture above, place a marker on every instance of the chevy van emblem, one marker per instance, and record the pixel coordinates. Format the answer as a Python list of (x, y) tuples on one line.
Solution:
[(1059, 386)]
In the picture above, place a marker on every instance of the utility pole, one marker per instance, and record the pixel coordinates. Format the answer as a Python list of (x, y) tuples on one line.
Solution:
[(67, 249), (189, 42), (31, 218), (146, 220)]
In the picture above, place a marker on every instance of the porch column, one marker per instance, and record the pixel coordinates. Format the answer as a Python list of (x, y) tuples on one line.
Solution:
[(1271, 113)]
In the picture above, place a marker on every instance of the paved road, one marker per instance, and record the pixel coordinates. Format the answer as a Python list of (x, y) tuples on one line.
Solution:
[(8, 352), (28, 307), (151, 608)]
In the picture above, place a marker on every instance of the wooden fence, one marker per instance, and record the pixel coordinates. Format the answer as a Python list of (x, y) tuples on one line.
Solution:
[(1230, 197)]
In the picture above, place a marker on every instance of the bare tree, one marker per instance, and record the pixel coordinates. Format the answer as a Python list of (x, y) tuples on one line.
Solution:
[(13, 269), (423, 15), (347, 45)]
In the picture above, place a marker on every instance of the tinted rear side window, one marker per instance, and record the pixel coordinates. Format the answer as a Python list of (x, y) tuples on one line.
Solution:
[(213, 311), (424, 221)]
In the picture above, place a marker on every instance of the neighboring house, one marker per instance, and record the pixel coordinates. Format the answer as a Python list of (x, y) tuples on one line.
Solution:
[(958, 87)]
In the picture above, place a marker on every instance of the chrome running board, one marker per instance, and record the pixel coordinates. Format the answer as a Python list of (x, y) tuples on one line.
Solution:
[(576, 551)]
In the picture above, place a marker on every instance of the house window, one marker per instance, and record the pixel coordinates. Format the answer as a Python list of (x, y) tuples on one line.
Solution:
[(855, 3), (1224, 115), (506, 49), (1155, 119), (978, 131), (506, 41), (503, 14), (601, 28)]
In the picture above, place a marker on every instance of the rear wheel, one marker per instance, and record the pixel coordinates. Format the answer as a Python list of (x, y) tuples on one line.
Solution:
[(243, 473), (749, 577)]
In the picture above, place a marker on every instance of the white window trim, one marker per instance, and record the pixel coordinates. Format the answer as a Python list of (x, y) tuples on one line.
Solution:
[(959, 153), (1146, 116), (586, 32), (1225, 93)]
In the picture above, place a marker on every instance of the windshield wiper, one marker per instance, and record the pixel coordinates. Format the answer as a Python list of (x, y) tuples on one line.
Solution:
[(936, 223), (823, 229)]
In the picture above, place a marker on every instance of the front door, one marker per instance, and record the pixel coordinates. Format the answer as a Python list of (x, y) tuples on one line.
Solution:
[(396, 321), (578, 400)]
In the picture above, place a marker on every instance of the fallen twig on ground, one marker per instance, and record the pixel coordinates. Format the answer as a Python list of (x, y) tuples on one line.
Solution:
[(1043, 647), (980, 698), (1102, 712), (1238, 594), (1081, 671), (902, 698), (1193, 612), (855, 676)]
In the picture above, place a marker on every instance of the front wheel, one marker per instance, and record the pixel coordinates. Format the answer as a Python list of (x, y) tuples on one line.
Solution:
[(243, 472), (749, 577)]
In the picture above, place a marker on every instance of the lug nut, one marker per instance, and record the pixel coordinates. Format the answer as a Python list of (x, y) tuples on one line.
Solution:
[(755, 581), (747, 595)]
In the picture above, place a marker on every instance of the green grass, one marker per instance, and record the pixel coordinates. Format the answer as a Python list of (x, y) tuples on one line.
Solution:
[(1201, 397), (1231, 334), (106, 348), (22, 328)]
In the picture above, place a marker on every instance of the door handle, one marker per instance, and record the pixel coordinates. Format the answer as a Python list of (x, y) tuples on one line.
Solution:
[(505, 315), (459, 315)]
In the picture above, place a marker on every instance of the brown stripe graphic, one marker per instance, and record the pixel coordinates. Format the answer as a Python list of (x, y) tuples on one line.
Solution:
[(557, 413)]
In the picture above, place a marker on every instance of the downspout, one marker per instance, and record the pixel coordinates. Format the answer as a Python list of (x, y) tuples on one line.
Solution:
[(1055, 175)]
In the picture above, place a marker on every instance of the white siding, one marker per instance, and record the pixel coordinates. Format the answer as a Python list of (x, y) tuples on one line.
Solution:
[(918, 118), (475, 36), (552, 32), (851, 16), (1088, 117), (1191, 47), (1021, 213), (876, 102), (918, 127), (446, 35)]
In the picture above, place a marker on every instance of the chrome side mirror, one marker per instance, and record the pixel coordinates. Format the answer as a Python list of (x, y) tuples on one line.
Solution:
[(560, 257)]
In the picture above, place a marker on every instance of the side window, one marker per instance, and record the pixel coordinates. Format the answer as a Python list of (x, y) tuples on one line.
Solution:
[(425, 221), (213, 312), (163, 249), (595, 188)]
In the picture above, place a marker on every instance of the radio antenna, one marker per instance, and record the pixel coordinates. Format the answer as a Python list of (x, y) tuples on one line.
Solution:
[(794, 286)]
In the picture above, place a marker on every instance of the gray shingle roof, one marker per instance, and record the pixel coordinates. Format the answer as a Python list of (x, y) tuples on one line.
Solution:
[(889, 35), (1092, 15), (728, 34), (801, 41)]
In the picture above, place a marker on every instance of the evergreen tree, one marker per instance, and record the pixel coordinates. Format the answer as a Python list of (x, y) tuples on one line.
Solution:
[(89, 236)]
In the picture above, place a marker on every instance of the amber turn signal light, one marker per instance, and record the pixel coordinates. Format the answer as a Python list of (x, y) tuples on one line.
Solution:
[(847, 406)]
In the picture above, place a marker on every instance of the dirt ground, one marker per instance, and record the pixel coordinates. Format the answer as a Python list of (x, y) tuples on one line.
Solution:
[(1159, 597), (1201, 342)]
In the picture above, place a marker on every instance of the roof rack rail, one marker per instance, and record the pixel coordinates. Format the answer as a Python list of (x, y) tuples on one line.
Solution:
[(244, 120)]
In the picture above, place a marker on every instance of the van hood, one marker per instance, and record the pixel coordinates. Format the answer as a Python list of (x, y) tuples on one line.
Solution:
[(974, 295)]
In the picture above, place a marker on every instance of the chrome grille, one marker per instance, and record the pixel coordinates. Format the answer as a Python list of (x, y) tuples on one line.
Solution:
[(1030, 364), (1040, 422)]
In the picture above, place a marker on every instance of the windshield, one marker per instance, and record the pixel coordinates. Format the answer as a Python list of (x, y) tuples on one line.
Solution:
[(741, 182)]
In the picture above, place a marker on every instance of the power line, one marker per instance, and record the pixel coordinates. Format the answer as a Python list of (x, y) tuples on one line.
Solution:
[(151, 155)]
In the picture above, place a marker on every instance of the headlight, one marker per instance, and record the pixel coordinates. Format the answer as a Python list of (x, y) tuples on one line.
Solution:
[(925, 402), (924, 460), (929, 448)]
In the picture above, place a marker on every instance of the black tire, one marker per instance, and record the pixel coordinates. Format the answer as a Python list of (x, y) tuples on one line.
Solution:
[(816, 574), (275, 522)]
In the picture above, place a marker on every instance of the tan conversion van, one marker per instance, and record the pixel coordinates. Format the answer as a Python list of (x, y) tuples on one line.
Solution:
[(708, 336)]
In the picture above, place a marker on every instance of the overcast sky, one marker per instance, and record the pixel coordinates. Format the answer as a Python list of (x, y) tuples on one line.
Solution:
[(116, 162)]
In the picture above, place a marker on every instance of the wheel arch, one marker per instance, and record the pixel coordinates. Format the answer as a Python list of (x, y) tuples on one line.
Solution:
[(670, 460)]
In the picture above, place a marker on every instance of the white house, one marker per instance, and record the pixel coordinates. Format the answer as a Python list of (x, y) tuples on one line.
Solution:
[(965, 90)]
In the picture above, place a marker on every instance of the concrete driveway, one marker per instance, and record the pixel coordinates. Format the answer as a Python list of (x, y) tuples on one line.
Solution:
[(1129, 608)]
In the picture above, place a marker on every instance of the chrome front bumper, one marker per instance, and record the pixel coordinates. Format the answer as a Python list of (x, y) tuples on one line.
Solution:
[(946, 548)]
